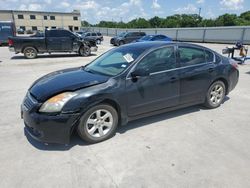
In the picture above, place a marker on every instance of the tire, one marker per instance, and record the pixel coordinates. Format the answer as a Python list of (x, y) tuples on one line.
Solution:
[(84, 51), (121, 42), (30, 52), (215, 95), (98, 41), (94, 129)]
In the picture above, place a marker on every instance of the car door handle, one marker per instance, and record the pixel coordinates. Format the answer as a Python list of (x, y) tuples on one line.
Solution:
[(173, 79), (211, 70)]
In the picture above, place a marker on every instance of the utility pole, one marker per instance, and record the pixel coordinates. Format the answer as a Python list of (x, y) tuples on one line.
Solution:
[(200, 12)]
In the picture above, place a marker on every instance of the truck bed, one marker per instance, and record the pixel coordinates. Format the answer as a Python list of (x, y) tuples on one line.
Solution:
[(21, 42)]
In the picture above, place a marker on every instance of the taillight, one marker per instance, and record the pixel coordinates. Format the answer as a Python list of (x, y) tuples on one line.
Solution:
[(10, 42), (233, 63)]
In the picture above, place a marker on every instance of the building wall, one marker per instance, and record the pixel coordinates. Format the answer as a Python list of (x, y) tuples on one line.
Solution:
[(62, 20), (6, 16)]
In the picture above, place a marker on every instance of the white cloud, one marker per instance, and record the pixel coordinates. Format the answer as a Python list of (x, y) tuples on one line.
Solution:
[(200, 1), (32, 7), (65, 4), (210, 14), (189, 9), (232, 4), (155, 5), (88, 5), (126, 11), (48, 1)]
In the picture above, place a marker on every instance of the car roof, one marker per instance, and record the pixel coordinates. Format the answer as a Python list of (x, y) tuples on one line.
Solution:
[(153, 35), (156, 44)]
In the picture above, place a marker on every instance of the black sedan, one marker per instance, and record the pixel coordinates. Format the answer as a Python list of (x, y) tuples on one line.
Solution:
[(125, 83)]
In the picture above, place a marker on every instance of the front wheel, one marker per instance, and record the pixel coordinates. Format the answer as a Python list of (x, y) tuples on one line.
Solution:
[(99, 123), (98, 41), (215, 95), (84, 51), (30, 52)]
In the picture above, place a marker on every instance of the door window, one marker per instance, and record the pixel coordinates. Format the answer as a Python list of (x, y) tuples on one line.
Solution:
[(209, 56), (158, 60), (58, 33), (191, 56)]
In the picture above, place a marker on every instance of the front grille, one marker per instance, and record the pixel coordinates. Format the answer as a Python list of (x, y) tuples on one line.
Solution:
[(29, 102)]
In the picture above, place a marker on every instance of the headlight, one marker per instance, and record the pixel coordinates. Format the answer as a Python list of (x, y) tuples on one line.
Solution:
[(56, 103)]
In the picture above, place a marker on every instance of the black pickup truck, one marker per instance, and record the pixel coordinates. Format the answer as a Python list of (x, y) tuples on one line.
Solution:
[(53, 40)]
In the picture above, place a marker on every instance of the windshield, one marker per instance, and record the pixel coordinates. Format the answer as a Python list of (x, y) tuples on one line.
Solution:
[(122, 34), (114, 61), (147, 37)]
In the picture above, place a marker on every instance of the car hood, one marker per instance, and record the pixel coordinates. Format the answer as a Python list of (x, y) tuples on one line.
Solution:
[(64, 80), (141, 40)]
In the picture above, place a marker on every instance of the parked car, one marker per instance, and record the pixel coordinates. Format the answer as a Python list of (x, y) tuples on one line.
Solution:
[(54, 40), (154, 38), (80, 32), (20, 31), (93, 35), (126, 83), (126, 37), (6, 30)]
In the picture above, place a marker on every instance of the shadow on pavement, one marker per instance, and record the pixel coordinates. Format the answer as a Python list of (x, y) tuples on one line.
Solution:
[(75, 139), (17, 57)]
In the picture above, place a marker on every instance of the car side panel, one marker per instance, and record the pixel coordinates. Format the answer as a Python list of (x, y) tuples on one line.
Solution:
[(194, 81)]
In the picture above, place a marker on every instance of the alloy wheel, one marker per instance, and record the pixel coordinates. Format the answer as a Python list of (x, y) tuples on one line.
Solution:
[(99, 123), (216, 94)]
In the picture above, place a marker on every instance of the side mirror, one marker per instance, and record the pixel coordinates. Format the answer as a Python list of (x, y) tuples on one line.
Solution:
[(139, 73)]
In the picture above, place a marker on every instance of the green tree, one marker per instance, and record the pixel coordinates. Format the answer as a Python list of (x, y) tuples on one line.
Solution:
[(84, 23), (179, 20), (226, 20), (245, 16), (207, 23), (139, 23), (155, 21)]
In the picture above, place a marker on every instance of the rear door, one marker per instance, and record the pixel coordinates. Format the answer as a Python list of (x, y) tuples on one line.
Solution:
[(53, 41), (160, 89), (94, 36), (66, 38), (196, 72), (130, 37), (59, 40)]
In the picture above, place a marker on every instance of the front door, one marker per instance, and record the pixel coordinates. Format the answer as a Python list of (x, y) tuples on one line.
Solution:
[(158, 90), (66, 39)]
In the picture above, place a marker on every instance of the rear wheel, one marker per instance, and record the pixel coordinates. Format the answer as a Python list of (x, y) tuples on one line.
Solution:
[(84, 51), (121, 43), (215, 95), (30, 52), (98, 124)]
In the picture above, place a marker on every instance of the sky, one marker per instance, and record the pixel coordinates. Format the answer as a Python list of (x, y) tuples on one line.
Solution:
[(94, 11)]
